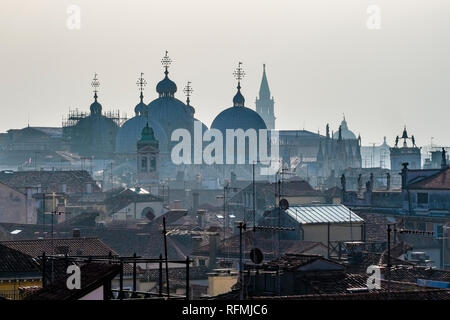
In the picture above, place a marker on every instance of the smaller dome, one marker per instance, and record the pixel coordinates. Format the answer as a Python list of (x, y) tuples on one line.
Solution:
[(140, 109), (96, 108), (166, 87)]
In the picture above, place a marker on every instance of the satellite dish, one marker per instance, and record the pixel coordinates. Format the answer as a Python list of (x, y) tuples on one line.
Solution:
[(256, 256), (284, 204)]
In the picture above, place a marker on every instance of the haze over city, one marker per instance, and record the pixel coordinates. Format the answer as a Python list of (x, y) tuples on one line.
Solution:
[(321, 61)]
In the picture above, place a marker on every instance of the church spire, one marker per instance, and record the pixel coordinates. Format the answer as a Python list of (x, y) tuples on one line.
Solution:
[(264, 91), (264, 103)]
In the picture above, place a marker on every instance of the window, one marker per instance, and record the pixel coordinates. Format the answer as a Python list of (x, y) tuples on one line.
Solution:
[(422, 199), (144, 164), (438, 230), (153, 164), (421, 226)]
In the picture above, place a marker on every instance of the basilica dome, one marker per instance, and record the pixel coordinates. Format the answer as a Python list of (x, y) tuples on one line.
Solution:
[(345, 132), (130, 132), (238, 116), (94, 135)]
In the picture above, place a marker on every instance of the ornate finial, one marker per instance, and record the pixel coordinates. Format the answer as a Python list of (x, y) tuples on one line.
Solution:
[(239, 73), (264, 67), (141, 83), (188, 91), (166, 61), (95, 84)]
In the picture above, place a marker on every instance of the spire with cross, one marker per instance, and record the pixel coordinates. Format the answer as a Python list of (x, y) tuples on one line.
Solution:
[(238, 100), (188, 92), (239, 73), (95, 83), (166, 62), (141, 83)]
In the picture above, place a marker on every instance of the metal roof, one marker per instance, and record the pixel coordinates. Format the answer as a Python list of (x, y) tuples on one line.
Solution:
[(323, 214)]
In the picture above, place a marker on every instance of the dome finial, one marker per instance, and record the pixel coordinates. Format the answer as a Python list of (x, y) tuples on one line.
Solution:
[(188, 92), (141, 108), (238, 100), (141, 83), (166, 87), (95, 84), (166, 62)]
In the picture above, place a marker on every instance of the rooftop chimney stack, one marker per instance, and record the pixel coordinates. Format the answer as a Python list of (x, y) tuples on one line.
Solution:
[(76, 233), (195, 202), (201, 218)]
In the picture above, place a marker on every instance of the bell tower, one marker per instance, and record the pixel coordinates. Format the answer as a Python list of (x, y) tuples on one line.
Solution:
[(147, 157), (265, 103)]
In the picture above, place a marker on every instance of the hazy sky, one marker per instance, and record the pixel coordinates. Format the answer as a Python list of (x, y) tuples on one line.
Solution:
[(322, 60)]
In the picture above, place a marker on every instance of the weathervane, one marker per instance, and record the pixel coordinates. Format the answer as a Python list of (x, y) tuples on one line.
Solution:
[(95, 84), (188, 91), (166, 61), (239, 72)]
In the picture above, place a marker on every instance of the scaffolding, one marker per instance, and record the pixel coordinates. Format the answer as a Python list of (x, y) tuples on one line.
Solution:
[(75, 115)]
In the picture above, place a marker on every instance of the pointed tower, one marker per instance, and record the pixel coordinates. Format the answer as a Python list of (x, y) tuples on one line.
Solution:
[(265, 103)]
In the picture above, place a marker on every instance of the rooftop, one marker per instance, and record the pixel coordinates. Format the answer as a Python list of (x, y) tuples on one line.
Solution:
[(71, 246), (311, 214), (438, 181)]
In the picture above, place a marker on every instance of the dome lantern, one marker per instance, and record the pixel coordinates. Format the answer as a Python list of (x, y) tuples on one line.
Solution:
[(96, 107), (141, 108), (166, 87), (238, 99)]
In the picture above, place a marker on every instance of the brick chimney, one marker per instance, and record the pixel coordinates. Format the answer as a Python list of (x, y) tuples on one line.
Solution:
[(212, 251), (201, 218)]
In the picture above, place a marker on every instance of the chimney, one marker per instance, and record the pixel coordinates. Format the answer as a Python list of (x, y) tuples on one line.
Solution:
[(212, 251), (176, 204), (444, 159), (76, 233), (195, 197), (196, 241), (201, 218)]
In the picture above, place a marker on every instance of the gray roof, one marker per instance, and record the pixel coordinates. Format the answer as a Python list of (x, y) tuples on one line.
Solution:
[(323, 214)]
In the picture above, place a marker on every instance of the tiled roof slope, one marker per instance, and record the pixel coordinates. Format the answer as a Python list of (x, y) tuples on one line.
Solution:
[(439, 181), (51, 181), (71, 246)]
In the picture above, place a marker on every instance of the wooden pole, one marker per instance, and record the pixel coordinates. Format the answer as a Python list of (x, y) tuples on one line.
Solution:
[(167, 261)]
